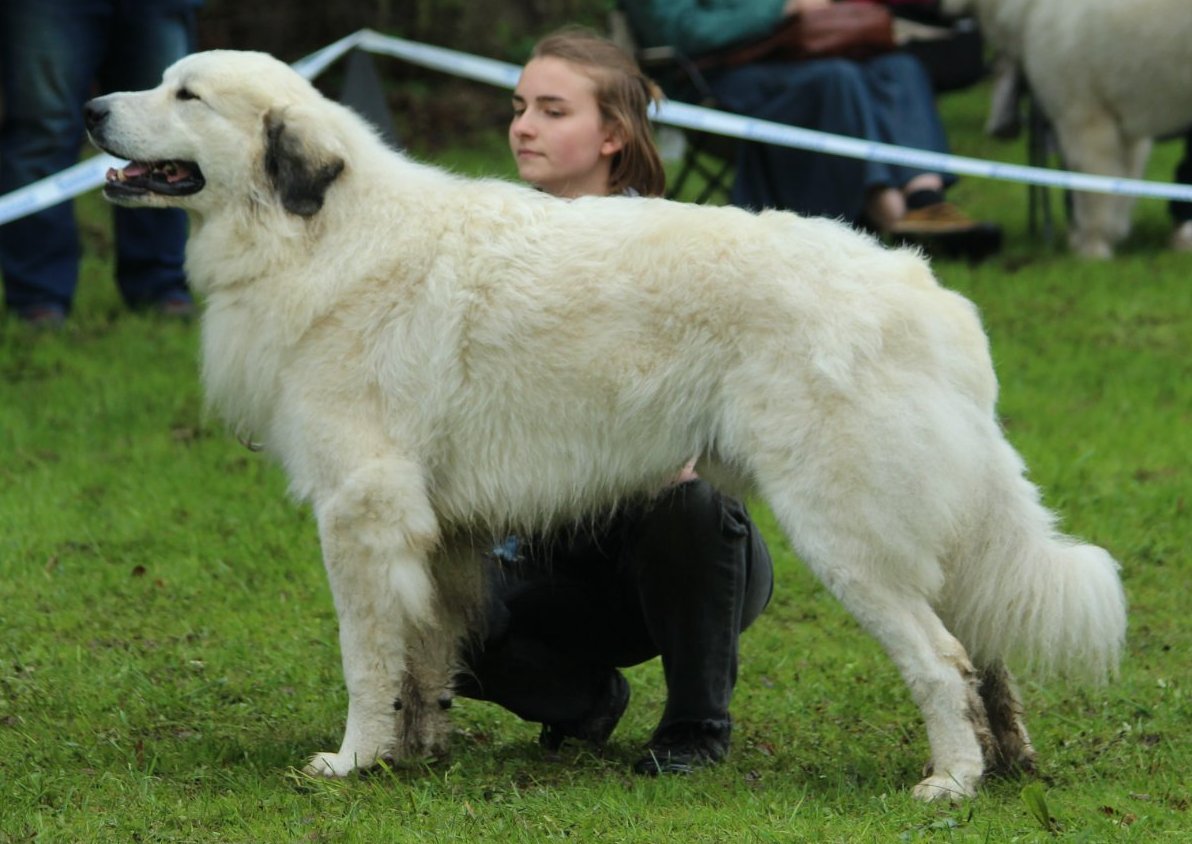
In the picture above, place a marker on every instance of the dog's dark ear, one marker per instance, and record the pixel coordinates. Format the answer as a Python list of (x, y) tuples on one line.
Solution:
[(301, 160)]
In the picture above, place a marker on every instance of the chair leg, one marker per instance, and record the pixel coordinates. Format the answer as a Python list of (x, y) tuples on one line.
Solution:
[(690, 163), (1038, 149), (715, 181)]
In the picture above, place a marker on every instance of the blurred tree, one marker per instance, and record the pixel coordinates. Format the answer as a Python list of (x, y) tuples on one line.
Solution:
[(432, 108)]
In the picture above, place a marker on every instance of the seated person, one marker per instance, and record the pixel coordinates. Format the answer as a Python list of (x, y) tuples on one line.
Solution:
[(887, 98), (678, 575)]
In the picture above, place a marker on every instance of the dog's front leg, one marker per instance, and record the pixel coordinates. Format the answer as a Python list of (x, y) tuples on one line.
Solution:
[(377, 530)]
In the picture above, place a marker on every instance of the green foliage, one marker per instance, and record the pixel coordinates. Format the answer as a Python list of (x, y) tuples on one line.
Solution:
[(502, 29), (169, 644), (1036, 804)]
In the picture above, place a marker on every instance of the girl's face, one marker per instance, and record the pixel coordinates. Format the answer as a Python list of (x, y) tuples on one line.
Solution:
[(557, 134)]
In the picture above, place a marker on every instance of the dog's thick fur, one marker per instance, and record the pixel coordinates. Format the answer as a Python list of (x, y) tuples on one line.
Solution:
[(1111, 76), (438, 360)]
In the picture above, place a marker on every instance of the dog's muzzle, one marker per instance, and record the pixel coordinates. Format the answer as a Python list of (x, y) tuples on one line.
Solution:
[(172, 177)]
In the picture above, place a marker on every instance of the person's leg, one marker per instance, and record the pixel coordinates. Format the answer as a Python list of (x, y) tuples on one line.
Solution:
[(828, 95), (680, 576), (150, 243), (553, 621), (904, 106), (905, 110), (526, 663), (49, 50), (702, 574)]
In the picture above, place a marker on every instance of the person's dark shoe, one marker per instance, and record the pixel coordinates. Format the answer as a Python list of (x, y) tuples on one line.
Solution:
[(598, 724), (944, 230), (45, 317), (684, 748), (177, 304)]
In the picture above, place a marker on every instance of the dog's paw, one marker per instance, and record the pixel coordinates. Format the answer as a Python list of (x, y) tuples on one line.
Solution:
[(947, 787), (1090, 247), (1181, 238), (331, 765)]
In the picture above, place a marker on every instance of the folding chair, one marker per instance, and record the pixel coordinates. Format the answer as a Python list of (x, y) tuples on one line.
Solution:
[(707, 156)]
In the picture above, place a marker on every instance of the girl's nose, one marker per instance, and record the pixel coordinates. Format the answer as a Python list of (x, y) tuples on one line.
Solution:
[(522, 126)]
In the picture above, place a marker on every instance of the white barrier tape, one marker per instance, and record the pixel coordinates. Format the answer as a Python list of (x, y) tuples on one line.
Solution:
[(318, 61), (688, 116), (54, 189), (89, 174), (781, 134)]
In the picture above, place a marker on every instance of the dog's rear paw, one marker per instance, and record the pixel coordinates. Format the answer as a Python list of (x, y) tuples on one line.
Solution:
[(1092, 247), (952, 787), (331, 765)]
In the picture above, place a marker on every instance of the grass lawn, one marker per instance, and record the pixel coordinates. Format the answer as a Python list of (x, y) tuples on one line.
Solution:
[(169, 653)]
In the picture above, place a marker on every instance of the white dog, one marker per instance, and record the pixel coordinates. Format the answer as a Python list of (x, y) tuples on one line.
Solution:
[(437, 361), (1111, 76)]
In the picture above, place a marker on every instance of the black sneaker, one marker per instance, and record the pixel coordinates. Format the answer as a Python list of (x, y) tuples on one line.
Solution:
[(683, 748), (43, 317), (598, 724), (177, 304)]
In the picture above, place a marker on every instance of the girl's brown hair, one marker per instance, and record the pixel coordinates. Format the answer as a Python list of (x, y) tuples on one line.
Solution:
[(623, 94)]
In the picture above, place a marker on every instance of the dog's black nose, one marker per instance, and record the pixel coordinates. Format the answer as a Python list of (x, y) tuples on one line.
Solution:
[(94, 113)]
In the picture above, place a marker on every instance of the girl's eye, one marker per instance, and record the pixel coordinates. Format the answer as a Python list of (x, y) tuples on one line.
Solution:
[(187, 94), (518, 112)]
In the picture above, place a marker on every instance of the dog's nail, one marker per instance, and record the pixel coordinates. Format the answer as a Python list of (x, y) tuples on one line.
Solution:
[(397, 704), (446, 702)]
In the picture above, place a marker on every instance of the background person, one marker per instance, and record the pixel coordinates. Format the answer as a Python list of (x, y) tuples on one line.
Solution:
[(679, 575), (887, 98), (55, 55)]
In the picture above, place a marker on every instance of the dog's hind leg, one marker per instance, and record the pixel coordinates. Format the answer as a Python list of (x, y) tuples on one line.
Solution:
[(942, 682), (1013, 752), (881, 592), (377, 529)]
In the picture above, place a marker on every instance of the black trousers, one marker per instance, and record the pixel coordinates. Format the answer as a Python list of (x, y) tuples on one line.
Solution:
[(678, 577)]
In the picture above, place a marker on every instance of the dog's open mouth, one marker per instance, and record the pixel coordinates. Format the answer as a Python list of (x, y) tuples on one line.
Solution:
[(170, 178)]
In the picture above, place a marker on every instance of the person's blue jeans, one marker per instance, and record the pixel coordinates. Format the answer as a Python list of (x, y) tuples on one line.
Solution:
[(55, 55), (888, 99)]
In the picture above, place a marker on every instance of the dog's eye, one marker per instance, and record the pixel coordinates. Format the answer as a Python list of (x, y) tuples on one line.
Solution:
[(186, 94)]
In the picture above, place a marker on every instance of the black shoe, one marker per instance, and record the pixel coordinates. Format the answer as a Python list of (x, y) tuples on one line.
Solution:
[(43, 317), (177, 304), (683, 748), (598, 724)]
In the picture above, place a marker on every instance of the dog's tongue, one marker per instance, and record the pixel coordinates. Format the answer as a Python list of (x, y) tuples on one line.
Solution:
[(135, 169)]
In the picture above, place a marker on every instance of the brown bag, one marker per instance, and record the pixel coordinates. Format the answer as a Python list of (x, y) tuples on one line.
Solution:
[(850, 30)]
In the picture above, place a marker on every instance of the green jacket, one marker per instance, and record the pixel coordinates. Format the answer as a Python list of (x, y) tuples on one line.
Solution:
[(698, 26)]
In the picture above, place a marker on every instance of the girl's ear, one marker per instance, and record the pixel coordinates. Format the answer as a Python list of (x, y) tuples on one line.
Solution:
[(613, 142)]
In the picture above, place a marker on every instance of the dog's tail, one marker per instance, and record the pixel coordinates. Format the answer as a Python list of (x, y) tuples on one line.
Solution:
[(1024, 593)]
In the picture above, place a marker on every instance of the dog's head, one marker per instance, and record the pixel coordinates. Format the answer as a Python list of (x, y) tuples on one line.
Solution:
[(222, 127)]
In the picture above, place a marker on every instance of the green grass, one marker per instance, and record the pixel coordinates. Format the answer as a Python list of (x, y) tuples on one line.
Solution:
[(169, 644)]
